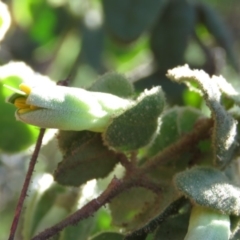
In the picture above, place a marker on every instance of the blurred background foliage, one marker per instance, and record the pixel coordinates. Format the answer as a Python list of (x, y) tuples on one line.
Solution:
[(82, 39)]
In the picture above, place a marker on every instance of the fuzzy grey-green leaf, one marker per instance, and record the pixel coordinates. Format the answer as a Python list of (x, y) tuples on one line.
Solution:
[(225, 127), (178, 223), (210, 188), (137, 126), (175, 122), (84, 158), (114, 83), (227, 89)]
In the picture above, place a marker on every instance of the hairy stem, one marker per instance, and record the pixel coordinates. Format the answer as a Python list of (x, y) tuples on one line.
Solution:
[(184, 144), (115, 187), (26, 185)]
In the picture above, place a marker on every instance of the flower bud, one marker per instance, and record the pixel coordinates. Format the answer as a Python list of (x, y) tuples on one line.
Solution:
[(66, 108)]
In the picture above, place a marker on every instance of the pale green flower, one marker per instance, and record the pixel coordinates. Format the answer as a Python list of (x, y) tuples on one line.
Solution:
[(208, 224), (66, 108)]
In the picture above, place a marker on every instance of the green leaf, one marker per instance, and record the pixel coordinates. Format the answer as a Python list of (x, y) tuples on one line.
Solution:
[(192, 99), (170, 35), (64, 204), (236, 236), (113, 83), (67, 138), (85, 158), (44, 204), (136, 127), (227, 90), (134, 208), (174, 227), (80, 231), (171, 211), (108, 236), (92, 46), (213, 22), (167, 134), (210, 188), (103, 220), (187, 118), (131, 209), (45, 21), (225, 127), (175, 122), (126, 20), (235, 226)]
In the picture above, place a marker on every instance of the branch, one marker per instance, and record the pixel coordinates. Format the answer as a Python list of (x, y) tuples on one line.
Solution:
[(184, 144), (115, 187), (26, 185)]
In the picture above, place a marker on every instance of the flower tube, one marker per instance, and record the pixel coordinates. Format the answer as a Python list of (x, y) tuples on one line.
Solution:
[(66, 108), (208, 224)]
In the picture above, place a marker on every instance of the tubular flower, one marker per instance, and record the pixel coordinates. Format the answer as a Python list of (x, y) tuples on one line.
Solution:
[(66, 108), (206, 223)]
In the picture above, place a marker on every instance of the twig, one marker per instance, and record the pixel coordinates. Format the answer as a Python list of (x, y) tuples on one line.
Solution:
[(133, 158), (26, 185), (201, 131), (145, 182), (115, 187), (129, 167)]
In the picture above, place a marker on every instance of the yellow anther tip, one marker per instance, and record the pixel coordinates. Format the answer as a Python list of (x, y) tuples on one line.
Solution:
[(21, 105), (23, 110), (32, 107), (20, 102), (25, 88)]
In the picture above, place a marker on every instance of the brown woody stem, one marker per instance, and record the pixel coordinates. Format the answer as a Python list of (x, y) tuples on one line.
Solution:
[(116, 186), (184, 144), (26, 185)]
